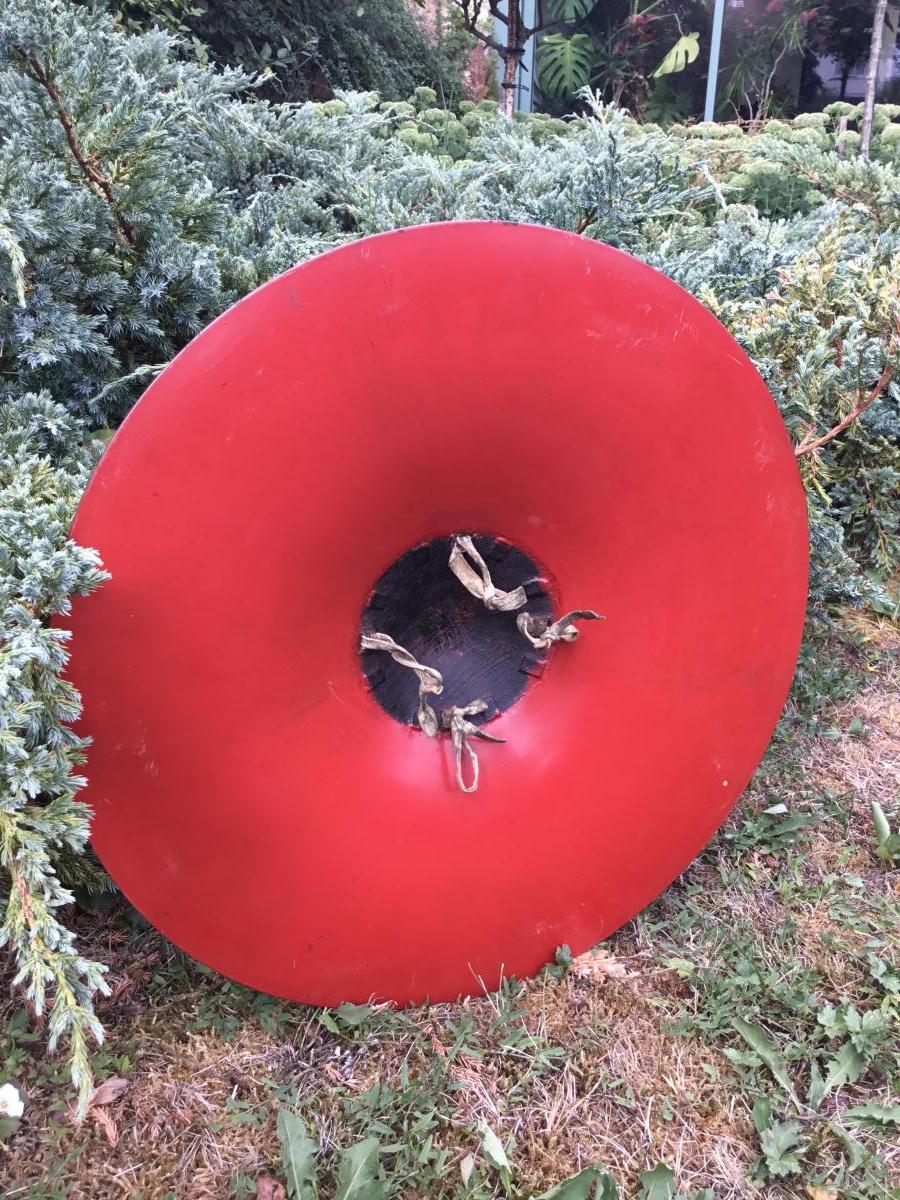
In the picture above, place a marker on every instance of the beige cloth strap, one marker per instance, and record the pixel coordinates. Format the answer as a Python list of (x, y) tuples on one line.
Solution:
[(479, 581), (452, 719), (431, 682), (461, 729), (542, 633)]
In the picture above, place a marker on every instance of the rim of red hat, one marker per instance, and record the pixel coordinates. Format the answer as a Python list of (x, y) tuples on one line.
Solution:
[(251, 797)]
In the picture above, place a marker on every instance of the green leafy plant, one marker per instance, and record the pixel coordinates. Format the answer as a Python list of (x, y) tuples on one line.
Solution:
[(625, 48), (571, 10), (593, 1183), (657, 1183), (782, 1147), (306, 48), (495, 1153), (565, 63), (359, 1173), (684, 52), (43, 468), (664, 104), (757, 1039), (780, 1141), (298, 1156), (866, 1038), (761, 42), (881, 1116)]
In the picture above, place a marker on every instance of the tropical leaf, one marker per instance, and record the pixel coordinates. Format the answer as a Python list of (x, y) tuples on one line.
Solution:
[(571, 10), (683, 52), (565, 64)]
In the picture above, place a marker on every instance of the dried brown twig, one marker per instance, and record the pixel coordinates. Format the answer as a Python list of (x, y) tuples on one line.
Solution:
[(808, 445), (99, 184)]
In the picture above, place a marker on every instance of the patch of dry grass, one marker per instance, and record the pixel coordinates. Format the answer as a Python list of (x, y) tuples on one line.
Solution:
[(622, 1092)]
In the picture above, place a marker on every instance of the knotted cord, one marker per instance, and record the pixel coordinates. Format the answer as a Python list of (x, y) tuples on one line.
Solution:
[(479, 582), (454, 719), (542, 632), (431, 682)]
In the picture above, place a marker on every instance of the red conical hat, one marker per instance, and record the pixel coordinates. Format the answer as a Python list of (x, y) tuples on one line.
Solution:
[(251, 797)]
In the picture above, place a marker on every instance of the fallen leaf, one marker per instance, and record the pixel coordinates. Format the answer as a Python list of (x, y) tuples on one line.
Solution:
[(438, 1046), (815, 1191), (108, 1092), (598, 964), (333, 1073), (268, 1188), (102, 1118)]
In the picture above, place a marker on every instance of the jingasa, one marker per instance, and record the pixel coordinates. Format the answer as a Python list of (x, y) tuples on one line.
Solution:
[(464, 441)]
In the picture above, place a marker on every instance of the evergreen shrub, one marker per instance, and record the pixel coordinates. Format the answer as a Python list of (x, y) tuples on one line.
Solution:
[(310, 47), (141, 193)]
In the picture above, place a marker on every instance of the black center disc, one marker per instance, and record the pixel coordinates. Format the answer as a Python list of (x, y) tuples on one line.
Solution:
[(480, 653)]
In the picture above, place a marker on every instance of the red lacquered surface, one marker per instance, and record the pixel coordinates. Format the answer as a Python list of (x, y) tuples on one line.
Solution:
[(251, 798)]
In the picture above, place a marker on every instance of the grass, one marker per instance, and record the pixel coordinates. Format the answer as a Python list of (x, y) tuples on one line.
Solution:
[(740, 1035)]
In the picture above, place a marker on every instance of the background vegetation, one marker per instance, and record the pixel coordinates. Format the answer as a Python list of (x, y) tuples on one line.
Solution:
[(649, 56), (307, 48)]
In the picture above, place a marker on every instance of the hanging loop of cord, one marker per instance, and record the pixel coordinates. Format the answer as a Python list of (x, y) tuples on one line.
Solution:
[(461, 730), (453, 719), (431, 682), (542, 633), (478, 581)]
